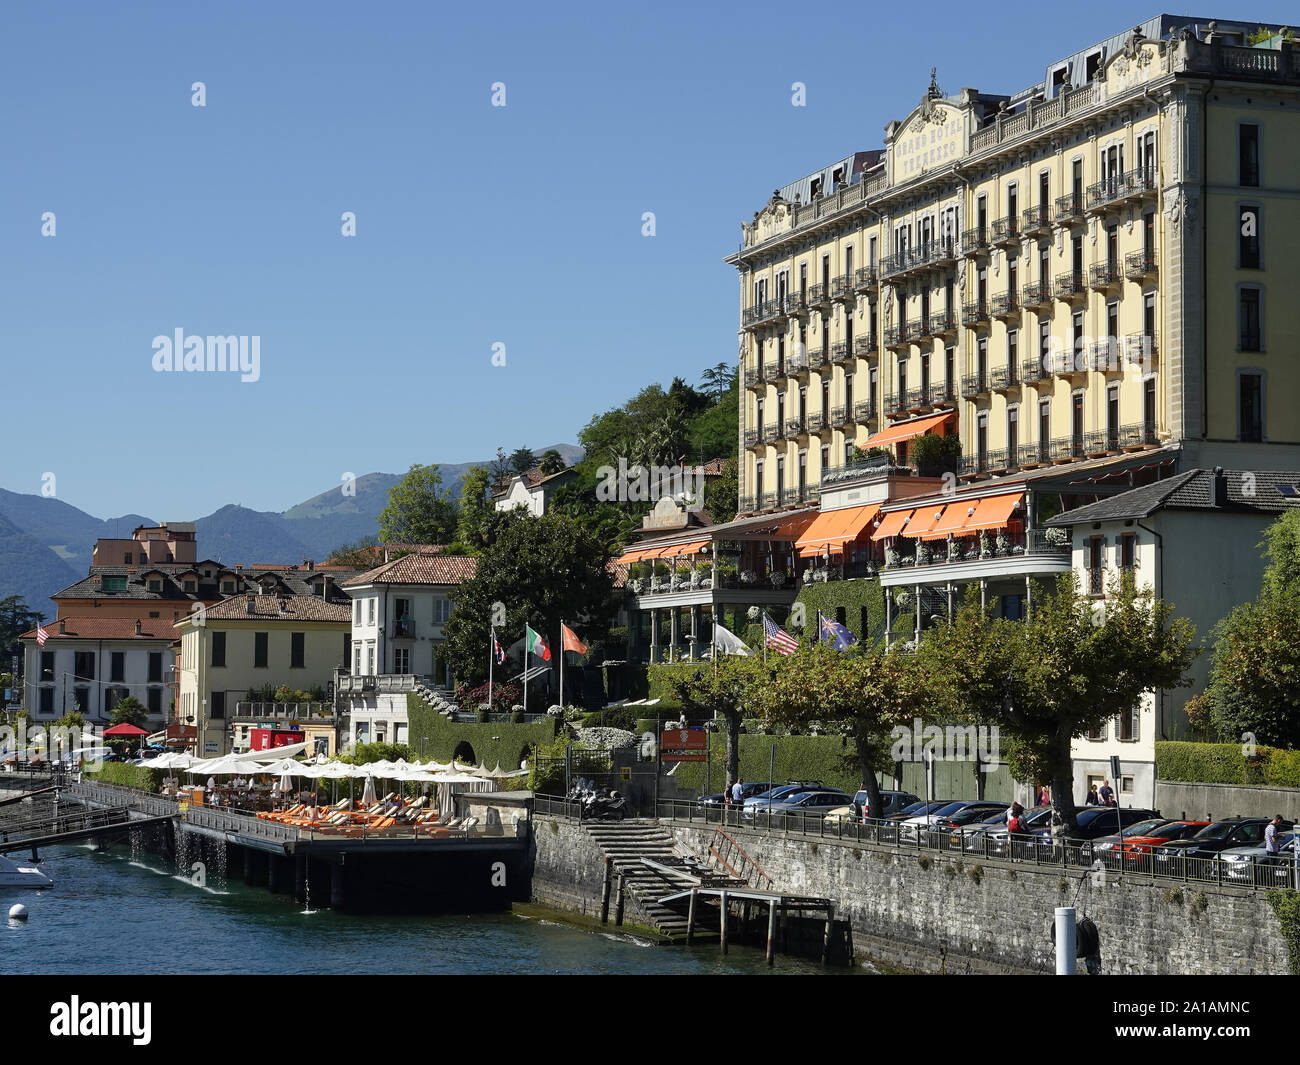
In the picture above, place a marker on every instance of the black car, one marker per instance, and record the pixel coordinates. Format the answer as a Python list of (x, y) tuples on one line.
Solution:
[(749, 791), (1194, 856), (1097, 821)]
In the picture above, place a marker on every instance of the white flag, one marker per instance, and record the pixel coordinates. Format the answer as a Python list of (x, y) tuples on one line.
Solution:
[(727, 641)]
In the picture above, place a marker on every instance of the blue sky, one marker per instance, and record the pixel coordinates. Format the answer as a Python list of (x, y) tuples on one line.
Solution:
[(475, 225)]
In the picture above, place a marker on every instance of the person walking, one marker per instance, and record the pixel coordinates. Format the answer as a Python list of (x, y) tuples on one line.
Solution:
[(738, 791), (1091, 799), (1107, 794), (1270, 835), (726, 794), (1044, 796)]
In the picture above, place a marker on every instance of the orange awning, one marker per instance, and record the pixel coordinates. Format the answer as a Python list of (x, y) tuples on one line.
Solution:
[(907, 430), (953, 522), (836, 528), (891, 524), (993, 512), (924, 520), (692, 548), (632, 554)]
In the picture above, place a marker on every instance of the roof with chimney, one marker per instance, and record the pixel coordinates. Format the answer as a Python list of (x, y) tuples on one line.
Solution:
[(97, 628), (419, 569), (268, 608), (1243, 491), (293, 580)]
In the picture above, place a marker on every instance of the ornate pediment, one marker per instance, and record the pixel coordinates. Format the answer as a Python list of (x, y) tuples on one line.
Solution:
[(774, 218), (1140, 60)]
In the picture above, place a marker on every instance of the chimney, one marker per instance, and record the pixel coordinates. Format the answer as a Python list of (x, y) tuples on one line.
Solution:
[(1220, 487), (137, 626), (310, 563), (62, 630), (284, 606), (252, 604)]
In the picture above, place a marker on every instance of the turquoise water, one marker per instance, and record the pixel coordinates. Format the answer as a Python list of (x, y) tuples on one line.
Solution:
[(112, 913)]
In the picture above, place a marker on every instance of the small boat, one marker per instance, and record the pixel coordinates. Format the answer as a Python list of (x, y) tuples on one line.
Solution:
[(21, 875)]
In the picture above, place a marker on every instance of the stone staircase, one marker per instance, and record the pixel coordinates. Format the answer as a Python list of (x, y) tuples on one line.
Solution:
[(437, 698), (625, 843)]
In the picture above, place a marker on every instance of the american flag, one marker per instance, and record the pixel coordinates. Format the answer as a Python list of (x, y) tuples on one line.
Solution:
[(777, 638), (41, 636), (497, 651)]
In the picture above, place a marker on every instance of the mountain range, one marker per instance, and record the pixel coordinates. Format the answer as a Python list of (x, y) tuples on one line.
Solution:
[(46, 544)]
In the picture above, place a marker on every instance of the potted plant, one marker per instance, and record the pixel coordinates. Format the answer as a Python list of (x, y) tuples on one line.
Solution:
[(1004, 544), (891, 558), (986, 546), (1057, 537), (954, 550), (922, 553)]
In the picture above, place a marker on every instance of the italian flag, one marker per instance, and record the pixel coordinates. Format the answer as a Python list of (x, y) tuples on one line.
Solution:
[(536, 646)]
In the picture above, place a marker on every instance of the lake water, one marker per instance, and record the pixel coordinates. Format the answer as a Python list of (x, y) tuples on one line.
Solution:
[(111, 912)]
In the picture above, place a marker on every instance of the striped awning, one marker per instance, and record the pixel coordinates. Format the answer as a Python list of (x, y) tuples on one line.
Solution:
[(891, 524), (834, 529)]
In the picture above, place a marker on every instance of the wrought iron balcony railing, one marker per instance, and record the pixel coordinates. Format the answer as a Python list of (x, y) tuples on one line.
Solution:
[(1069, 208), (753, 379), (752, 437), (816, 422), (1003, 378), (1139, 264), (1067, 448), (1006, 230), (1140, 350), (771, 370), (794, 426), (841, 350), (974, 385), (1032, 371), (842, 288), (866, 277), (1070, 287), (974, 313), (1035, 220), (818, 295), (818, 358), (1137, 435), (864, 410), (974, 241), (1006, 305), (1119, 187), (1037, 294), (895, 404), (1036, 454), (896, 336), (942, 323), (865, 344), (1104, 275), (839, 415)]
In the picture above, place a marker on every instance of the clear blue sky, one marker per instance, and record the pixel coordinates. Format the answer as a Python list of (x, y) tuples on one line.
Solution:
[(476, 225)]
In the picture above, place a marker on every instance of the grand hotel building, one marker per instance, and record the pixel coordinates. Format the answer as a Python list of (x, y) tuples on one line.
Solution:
[(1093, 266)]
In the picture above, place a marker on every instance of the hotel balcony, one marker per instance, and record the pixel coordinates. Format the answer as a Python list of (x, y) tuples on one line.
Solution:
[(1069, 209), (990, 462), (1121, 187), (842, 288), (864, 345), (818, 295), (1066, 449), (866, 278), (1139, 265), (1006, 305), (864, 410), (1100, 442), (772, 370), (1037, 294), (795, 427), (974, 313), (974, 385), (403, 629), (1140, 350), (1032, 372), (942, 395), (1104, 276), (796, 364), (938, 254), (893, 265), (1005, 378), (914, 330), (1027, 553), (1035, 221), (943, 324), (1070, 287), (974, 241), (1136, 437), (772, 433), (753, 438), (753, 379), (1006, 231), (896, 336), (1029, 456), (841, 350), (746, 504), (840, 416), (895, 404), (1073, 362), (819, 358), (816, 421), (793, 305)]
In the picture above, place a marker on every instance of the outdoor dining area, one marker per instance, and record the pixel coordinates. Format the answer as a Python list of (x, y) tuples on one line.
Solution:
[(417, 798)]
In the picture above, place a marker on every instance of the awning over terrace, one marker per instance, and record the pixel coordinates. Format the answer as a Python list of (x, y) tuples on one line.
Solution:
[(891, 524), (909, 429), (834, 529)]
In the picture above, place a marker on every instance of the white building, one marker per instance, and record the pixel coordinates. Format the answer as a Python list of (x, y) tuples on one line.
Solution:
[(398, 613), (532, 490), (1193, 539), (90, 664)]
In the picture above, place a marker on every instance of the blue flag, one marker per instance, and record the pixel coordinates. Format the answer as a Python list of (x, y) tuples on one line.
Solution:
[(833, 632)]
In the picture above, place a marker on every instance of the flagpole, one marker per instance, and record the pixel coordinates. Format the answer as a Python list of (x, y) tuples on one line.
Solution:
[(525, 668), (763, 622), (561, 661), (492, 654)]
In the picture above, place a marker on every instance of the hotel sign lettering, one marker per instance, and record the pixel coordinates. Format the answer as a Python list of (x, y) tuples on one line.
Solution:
[(684, 745), (928, 142)]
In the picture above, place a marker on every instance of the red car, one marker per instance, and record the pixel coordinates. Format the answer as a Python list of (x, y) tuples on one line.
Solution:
[(1137, 846)]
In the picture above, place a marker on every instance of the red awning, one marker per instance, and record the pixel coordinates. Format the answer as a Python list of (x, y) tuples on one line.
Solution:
[(836, 528), (891, 524), (924, 520), (125, 730)]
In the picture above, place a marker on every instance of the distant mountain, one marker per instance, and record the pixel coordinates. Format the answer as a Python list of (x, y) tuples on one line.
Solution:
[(46, 544)]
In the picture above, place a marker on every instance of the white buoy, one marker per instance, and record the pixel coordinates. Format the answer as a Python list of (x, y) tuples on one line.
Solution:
[(18, 912)]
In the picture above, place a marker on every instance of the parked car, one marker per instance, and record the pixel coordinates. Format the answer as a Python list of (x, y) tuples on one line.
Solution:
[(805, 803), (1096, 821), (916, 809), (1102, 846), (747, 791), (785, 791), (996, 831), (914, 826), (1193, 856), (891, 802), (1267, 869), (971, 834), (1134, 847)]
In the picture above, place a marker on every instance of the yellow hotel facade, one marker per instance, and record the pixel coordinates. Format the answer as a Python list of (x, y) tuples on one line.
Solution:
[(1092, 268)]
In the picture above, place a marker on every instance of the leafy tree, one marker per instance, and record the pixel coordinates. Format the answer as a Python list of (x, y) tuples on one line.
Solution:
[(863, 692), (522, 460), (934, 455), (475, 508), (418, 510), (499, 470), (551, 462), (360, 554), (718, 379), (1064, 672), (542, 569), (15, 619), (129, 711), (713, 433), (733, 689), (1281, 546), (722, 497)]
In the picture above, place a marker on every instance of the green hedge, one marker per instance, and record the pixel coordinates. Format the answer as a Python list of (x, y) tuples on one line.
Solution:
[(493, 741), (852, 596), (830, 759), (1224, 763), (128, 776)]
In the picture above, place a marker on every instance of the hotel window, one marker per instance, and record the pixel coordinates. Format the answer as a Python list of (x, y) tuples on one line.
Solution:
[(1128, 552), (1248, 239), (1076, 260), (356, 660), (218, 649), (826, 457), (1044, 188), (780, 411), (1045, 345), (47, 665), (982, 286), (1112, 327), (370, 658), (1128, 725), (948, 297), (1112, 416), (227, 587), (1013, 434), (982, 440), (373, 601), (1012, 203), (826, 274), (1250, 425), (902, 379), (441, 609), (1013, 284), (871, 251), (1248, 318), (1076, 338), (401, 660), (873, 379), (117, 666), (1112, 249), (155, 584), (780, 479), (1045, 265), (925, 376), (155, 667), (126, 558), (982, 215), (949, 370), (46, 704), (1044, 424), (780, 354), (1149, 316), (848, 395), (260, 649), (1013, 352), (1096, 564), (297, 650), (1098, 735), (1146, 154), (155, 701), (356, 613), (803, 472), (83, 665), (1149, 409), (1076, 183), (1248, 154), (218, 706), (1076, 422), (758, 420), (758, 475), (803, 404), (803, 288), (982, 360)]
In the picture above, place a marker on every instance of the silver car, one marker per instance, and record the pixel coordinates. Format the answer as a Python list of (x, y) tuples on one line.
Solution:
[(1237, 862), (813, 804)]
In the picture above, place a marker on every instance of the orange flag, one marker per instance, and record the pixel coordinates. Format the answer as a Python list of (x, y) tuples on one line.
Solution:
[(570, 641)]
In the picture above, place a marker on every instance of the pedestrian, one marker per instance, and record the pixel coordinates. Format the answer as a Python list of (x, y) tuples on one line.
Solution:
[(738, 791), (1015, 821), (726, 794), (1107, 794), (681, 720), (1044, 796), (1091, 799), (1270, 835)]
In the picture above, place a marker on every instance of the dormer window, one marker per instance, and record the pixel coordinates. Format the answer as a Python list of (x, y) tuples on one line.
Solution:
[(227, 587), (191, 585), (115, 584), (155, 584)]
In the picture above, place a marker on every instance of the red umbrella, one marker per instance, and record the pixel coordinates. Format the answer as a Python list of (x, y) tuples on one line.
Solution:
[(125, 730)]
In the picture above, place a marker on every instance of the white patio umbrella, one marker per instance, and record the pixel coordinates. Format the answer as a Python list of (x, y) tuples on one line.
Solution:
[(368, 796)]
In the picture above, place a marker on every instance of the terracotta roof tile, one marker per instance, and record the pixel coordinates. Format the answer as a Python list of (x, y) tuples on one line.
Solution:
[(268, 608), (419, 569), (97, 628)]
